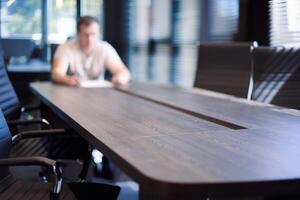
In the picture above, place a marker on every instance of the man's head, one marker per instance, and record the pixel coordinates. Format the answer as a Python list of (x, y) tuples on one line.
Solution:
[(88, 32)]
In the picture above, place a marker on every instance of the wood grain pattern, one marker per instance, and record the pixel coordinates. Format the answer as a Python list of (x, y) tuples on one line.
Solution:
[(176, 155), (248, 114)]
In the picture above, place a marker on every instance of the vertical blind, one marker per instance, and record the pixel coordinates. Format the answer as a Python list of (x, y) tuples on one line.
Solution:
[(160, 21), (285, 23), (141, 22), (186, 21), (181, 20), (165, 35), (223, 19)]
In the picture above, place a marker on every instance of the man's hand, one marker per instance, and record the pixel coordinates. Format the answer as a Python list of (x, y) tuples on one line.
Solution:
[(120, 79), (59, 71), (72, 80)]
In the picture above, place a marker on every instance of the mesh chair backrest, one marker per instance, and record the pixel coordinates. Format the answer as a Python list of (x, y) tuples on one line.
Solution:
[(9, 101), (5, 143), (224, 67), (277, 76)]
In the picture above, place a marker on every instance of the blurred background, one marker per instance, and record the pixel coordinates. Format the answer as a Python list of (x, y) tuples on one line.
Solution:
[(157, 39)]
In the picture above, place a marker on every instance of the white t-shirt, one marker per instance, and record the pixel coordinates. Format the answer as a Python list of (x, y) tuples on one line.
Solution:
[(87, 67)]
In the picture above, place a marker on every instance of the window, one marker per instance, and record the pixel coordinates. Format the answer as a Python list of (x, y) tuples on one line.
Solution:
[(223, 19), (142, 23), (186, 21), (285, 22), (93, 8), (62, 20), (160, 23), (21, 19), (166, 34)]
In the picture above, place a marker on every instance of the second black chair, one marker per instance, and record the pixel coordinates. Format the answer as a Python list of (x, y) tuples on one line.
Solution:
[(226, 68)]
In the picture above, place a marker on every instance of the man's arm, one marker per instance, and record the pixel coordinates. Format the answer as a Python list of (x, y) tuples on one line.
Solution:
[(58, 74), (115, 65), (120, 73)]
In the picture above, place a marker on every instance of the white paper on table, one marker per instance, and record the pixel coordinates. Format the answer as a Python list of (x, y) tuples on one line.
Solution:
[(95, 83)]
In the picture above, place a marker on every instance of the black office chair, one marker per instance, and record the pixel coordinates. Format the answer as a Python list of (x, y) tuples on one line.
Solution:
[(60, 146), (277, 76), (226, 68), (9, 101), (10, 188), (54, 143)]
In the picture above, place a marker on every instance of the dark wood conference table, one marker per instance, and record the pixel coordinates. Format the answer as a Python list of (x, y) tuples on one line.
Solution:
[(185, 143)]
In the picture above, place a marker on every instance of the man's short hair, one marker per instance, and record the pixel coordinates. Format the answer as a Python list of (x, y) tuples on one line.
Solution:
[(86, 20)]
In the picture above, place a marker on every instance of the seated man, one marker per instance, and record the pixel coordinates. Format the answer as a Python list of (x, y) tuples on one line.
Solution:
[(86, 57)]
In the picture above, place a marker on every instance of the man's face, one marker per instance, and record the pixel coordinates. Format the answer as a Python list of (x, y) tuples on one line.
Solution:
[(88, 36)]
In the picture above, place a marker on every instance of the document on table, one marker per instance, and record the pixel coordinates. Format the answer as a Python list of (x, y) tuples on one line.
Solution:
[(95, 84)]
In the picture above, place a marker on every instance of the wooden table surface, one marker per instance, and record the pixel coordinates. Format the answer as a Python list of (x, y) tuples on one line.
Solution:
[(226, 108), (182, 143)]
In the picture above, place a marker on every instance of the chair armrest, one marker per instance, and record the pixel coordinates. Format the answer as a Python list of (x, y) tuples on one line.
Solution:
[(41, 161), (25, 161), (29, 122), (26, 108), (38, 133)]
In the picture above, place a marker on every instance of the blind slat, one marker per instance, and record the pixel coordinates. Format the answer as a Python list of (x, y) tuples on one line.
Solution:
[(285, 22)]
